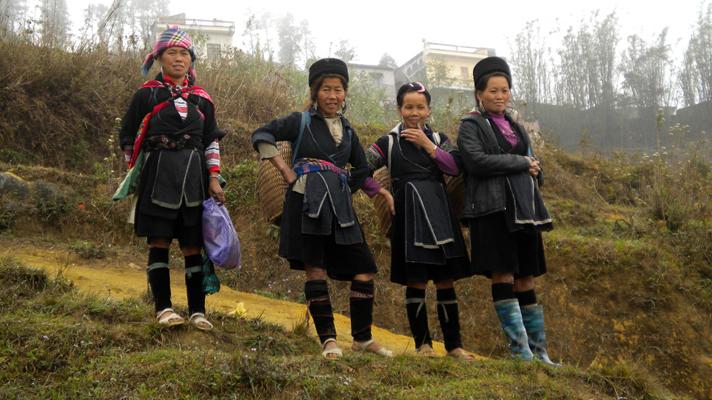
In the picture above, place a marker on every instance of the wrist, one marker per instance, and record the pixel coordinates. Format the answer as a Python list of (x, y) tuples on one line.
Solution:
[(433, 151)]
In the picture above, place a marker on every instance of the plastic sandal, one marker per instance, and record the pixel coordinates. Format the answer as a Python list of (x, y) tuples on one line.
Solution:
[(168, 317), (460, 354), (199, 321), (370, 346), (426, 351), (331, 353)]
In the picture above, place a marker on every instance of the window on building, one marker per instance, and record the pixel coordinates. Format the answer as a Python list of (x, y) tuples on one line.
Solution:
[(465, 73), (213, 51)]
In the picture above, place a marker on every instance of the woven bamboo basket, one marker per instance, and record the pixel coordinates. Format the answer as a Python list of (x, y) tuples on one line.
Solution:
[(271, 187), (455, 190), (379, 203)]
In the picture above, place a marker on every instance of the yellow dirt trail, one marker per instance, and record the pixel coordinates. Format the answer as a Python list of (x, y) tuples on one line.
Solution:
[(117, 280)]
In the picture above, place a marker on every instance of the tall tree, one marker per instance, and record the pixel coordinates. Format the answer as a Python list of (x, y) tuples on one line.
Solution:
[(345, 51), (290, 39), (12, 13), (529, 65), (647, 81), (387, 61), (696, 73), (54, 22)]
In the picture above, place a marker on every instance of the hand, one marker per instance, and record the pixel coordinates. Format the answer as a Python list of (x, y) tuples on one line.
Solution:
[(215, 190), (418, 137), (534, 166), (389, 200), (289, 175)]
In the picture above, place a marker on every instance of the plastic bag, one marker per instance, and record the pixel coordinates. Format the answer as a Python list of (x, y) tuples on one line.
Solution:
[(219, 236), (211, 282)]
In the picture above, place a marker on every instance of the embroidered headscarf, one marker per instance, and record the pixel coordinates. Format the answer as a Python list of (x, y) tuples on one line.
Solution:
[(171, 37)]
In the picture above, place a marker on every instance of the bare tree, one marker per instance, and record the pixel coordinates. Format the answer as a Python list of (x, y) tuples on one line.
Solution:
[(290, 38), (54, 23), (696, 73), (346, 51), (529, 65), (12, 12), (387, 61), (647, 71)]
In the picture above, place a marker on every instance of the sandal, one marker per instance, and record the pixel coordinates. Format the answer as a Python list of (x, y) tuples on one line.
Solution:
[(199, 321), (332, 353), (370, 346), (168, 317), (460, 354), (426, 351)]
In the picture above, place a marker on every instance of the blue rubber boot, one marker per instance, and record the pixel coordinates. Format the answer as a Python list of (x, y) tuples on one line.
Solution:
[(533, 318), (510, 317)]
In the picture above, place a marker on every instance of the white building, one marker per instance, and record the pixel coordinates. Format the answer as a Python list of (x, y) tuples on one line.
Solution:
[(443, 66), (377, 76), (210, 37)]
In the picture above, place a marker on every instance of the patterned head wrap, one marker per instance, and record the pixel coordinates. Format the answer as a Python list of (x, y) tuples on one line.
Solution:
[(171, 37)]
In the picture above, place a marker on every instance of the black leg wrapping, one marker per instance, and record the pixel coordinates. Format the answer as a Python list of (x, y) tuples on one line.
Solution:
[(316, 293), (194, 284), (159, 278), (527, 298), (361, 303), (502, 291), (417, 316), (449, 317)]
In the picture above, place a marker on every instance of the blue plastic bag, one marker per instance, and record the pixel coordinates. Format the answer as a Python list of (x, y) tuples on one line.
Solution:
[(219, 236)]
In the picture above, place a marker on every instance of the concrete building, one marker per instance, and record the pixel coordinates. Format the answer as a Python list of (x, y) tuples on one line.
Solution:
[(377, 76), (210, 37), (443, 66)]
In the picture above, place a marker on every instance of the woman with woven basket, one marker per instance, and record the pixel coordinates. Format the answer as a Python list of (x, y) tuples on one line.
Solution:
[(319, 231), (426, 239)]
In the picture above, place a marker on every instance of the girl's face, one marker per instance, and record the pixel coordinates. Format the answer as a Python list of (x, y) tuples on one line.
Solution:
[(175, 62), (330, 97), (496, 95), (415, 110)]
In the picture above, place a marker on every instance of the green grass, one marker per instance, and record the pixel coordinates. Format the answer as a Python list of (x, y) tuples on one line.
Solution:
[(58, 343)]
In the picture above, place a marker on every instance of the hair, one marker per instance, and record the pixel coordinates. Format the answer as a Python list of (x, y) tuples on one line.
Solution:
[(412, 87), (316, 85), (484, 80)]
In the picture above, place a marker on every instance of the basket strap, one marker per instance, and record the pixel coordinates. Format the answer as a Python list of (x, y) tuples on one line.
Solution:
[(390, 150), (306, 119)]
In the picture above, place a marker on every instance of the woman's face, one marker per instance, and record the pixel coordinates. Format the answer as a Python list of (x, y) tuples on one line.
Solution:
[(175, 62), (496, 95), (415, 109), (330, 97)]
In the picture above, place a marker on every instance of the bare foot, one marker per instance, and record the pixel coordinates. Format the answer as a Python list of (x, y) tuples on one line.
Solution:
[(460, 354)]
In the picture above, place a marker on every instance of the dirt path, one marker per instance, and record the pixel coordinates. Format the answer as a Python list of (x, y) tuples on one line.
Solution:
[(112, 278)]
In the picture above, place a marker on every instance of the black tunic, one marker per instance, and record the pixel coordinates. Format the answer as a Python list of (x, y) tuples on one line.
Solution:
[(414, 173), (173, 180), (495, 248), (341, 261)]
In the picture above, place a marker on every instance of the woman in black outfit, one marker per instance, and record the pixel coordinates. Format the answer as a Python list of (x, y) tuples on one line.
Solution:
[(426, 239), (319, 231), (504, 209), (170, 124)]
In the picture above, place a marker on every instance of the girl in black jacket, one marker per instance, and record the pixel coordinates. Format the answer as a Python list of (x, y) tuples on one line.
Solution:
[(426, 239), (319, 231), (504, 209)]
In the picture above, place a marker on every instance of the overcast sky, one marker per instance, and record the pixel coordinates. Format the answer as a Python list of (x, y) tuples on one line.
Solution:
[(398, 28)]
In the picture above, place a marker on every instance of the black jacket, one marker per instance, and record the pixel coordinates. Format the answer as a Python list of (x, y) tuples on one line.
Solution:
[(317, 142), (486, 165)]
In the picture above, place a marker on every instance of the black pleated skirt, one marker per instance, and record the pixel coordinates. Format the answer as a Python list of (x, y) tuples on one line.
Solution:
[(496, 249), (341, 262)]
